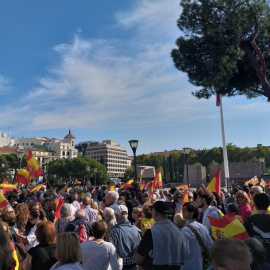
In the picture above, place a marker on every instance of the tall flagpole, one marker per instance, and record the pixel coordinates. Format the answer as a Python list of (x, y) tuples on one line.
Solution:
[(225, 157)]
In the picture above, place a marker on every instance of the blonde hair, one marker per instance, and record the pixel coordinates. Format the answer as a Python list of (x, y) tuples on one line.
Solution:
[(241, 193), (94, 205), (68, 248), (179, 221)]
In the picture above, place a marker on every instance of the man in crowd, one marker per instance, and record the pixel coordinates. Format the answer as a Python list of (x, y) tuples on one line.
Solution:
[(125, 237), (131, 203), (109, 217), (111, 199), (90, 213), (162, 246), (253, 192)]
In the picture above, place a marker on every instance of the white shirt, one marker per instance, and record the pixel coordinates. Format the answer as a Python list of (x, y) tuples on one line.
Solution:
[(194, 251), (73, 210), (31, 237), (98, 256)]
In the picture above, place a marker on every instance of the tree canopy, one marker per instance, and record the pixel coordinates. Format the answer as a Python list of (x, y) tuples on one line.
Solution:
[(224, 47)]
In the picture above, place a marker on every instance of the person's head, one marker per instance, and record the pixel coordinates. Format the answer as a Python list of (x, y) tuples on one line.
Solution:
[(169, 197), (79, 213), (68, 248), (65, 210), (230, 254), (108, 214), (161, 193), (99, 229), (8, 215), (68, 199), (160, 210), (121, 213), (87, 201), (204, 198), (232, 208), (190, 211), (7, 210), (179, 221), (132, 195), (35, 216), (257, 249), (261, 201), (190, 196), (6, 258), (255, 190), (241, 197), (267, 190), (137, 213), (21, 212), (46, 233), (35, 206), (222, 196), (111, 197), (146, 211), (177, 197), (94, 205), (145, 196)]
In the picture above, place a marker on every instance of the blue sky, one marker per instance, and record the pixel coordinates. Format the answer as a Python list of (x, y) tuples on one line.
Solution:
[(103, 68)]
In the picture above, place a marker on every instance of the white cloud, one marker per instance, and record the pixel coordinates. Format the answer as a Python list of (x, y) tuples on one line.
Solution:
[(5, 85)]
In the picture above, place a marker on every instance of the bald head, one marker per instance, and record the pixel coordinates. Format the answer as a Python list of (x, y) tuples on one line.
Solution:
[(87, 200), (79, 213), (255, 190)]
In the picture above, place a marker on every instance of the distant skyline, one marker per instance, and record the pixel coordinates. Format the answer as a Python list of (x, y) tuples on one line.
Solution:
[(103, 69)]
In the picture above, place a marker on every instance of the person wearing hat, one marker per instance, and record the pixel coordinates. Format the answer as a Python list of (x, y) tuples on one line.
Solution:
[(162, 246), (125, 237)]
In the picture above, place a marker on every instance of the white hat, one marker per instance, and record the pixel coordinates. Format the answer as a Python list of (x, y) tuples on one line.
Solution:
[(121, 210)]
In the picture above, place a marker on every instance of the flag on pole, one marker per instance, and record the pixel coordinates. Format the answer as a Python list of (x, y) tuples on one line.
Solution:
[(32, 166), (3, 201), (183, 186), (214, 184), (37, 188), (157, 180), (7, 187), (144, 186), (228, 226), (64, 189), (111, 187), (127, 184), (262, 183), (23, 177), (185, 200), (254, 181), (58, 203)]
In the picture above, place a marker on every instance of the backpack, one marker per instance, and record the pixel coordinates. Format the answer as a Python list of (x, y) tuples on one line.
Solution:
[(80, 230)]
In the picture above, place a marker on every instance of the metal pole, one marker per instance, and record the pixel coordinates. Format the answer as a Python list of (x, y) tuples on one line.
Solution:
[(187, 169), (135, 165)]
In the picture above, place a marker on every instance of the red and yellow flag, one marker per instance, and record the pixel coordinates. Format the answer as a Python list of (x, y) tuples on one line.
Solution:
[(157, 180), (32, 166), (254, 181), (5, 181), (214, 184), (3, 201), (183, 186), (37, 188), (228, 226), (144, 186), (77, 182), (7, 187), (23, 177), (185, 200), (64, 189), (58, 204), (127, 184), (111, 187)]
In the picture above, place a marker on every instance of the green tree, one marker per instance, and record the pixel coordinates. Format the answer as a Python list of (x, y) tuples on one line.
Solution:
[(224, 47)]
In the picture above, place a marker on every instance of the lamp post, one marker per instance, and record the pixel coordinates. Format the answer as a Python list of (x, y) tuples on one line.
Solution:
[(46, 163), (262, 161), (87, 169), (186, 152), (20, 155), (134, 145), (95, 171)]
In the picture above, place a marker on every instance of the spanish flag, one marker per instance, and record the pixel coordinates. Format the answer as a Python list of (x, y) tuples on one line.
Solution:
[(214, 184), (157, 180), (5, 181), (3, 201), (183, 186), (23, 177), (37, 188), (127, 184), (58, 204), (144, 186), (7, 187), (64, 189), (228, 226), (185, 200), (32, 166), (111, 187)]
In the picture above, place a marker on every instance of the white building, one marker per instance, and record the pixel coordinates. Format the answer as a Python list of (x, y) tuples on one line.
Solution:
[(114, 156)]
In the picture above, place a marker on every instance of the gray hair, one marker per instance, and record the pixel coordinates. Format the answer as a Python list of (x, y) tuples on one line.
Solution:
[(108, 211), (65, 210), (114, 195), (79, 213), (88, 194), (5, 209)]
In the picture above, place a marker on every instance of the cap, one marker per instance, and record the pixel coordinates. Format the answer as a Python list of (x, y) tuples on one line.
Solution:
[(161, 207), (121, 210)]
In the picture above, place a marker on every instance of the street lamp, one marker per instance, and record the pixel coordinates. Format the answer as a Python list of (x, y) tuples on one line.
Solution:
[(20, 155), (134, 145), (46, 163), (262, 161), (95, 171), (87, 169), (186, 152)]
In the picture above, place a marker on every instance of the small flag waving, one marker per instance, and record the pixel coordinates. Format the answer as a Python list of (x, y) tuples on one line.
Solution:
[(262, 183), (157, 180), (32, 166), (254, 181), (58, 204), (183, 186), (144, 186), (111, 187), (185, 200), (214, 184), (37, 188), (228, 226), (7, 187), (64, 189), (23, 177), (3, 201), (127, 184)]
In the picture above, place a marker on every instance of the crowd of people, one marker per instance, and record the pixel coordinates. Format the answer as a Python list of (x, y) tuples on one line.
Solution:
[(133, 229)]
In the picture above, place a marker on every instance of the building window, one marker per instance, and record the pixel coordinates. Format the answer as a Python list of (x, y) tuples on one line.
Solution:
[(63, 153)]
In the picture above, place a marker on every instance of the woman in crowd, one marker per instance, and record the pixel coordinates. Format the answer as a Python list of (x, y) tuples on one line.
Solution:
[(65, 212), (7, 261), (242, 200), (42, 256), (21, 213), (98, 254), (179, 221), (147, 221), (137, 216), (177, 198), (35, 217), (68, 252)]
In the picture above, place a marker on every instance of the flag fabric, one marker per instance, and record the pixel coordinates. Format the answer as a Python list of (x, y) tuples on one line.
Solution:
[(64, 189), (37, 188), (7, 187), (214, 184), (140, 181), (183, 186), (228, 226), (32, 166), (3, 201), (254, 181), (111, 187), (58, 203), (217, 100), (127, 184), (5, 181), (77, 182), (185, 200), (262, 183), (157, 180), (144, 186), (23, 177)]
